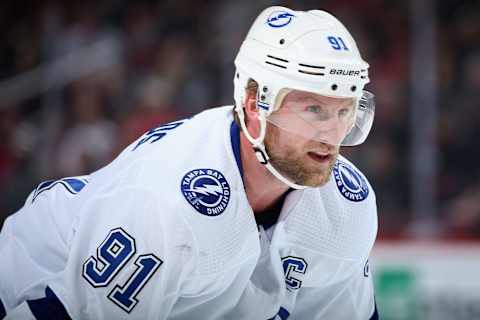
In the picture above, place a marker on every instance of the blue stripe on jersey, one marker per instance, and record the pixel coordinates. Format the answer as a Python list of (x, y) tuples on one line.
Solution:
[(375, 313), (235, 138), (2, 310), (48, 308), (283, 314), (73, 185), (45, 184)]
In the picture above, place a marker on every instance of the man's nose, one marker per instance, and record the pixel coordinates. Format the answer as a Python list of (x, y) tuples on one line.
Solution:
[(330, 131), (332, 136), (328, 121)]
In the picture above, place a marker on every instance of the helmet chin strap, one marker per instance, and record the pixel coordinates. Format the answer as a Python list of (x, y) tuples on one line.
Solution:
[(259, 146)]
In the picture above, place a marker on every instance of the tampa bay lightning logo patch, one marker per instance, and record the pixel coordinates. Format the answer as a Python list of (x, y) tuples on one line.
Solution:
[(279, 19), (206, 190), (350, 182)]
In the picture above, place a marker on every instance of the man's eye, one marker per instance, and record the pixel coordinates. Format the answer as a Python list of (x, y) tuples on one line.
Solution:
[(314, 109)]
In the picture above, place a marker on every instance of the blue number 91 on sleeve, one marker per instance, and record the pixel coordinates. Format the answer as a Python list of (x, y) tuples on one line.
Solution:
[(112, 256)]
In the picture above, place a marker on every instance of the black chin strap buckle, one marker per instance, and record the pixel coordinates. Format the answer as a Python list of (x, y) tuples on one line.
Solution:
[(261, 155)]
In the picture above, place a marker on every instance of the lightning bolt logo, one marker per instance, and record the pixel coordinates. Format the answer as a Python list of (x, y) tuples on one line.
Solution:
[(347, 174), (351, 184), (207, 190)]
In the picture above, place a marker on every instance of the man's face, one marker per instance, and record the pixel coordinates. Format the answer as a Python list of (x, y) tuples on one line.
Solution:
[(303, 138)]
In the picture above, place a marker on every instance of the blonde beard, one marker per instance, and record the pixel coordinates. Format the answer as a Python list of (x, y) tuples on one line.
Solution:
[(291, 165)]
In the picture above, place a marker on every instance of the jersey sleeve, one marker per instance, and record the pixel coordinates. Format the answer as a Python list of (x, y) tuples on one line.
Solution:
[(130, 256), (33, 247), (127, 258)]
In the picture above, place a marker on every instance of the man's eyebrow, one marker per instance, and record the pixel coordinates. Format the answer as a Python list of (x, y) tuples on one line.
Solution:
[(307, 98), (313, 100)]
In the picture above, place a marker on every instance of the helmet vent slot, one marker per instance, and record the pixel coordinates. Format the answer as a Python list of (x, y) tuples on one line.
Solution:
[(277, 62), (312, 73), (310, 66), (276, 58), (276, 65), (312, 70)]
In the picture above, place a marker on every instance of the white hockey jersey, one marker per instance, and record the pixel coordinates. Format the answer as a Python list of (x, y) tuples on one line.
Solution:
[(165, 231)]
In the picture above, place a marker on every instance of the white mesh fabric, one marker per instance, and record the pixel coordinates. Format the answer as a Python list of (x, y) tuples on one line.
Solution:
[(227, 239), (323, 220)]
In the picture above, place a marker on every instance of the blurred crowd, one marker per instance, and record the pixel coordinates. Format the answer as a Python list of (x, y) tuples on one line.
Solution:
[(127, 66)]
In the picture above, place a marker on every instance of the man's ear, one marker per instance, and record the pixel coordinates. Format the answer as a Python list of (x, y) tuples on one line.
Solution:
[(251, 114), (251, 106)]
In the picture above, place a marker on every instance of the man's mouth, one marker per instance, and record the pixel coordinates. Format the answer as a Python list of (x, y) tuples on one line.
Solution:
[(320, 156)]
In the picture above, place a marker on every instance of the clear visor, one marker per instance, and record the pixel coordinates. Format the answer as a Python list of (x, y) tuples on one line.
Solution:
[(335, 121)]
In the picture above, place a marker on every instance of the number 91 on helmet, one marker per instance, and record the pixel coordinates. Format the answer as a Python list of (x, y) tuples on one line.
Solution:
[(310, 77)]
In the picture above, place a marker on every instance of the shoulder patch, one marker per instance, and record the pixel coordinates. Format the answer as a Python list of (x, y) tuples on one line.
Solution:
[(206, 190), (350, 182)]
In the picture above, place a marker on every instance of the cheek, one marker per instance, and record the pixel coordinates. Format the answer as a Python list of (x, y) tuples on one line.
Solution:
[(277, 137), (289, 145), (253, 125), (274, 141)]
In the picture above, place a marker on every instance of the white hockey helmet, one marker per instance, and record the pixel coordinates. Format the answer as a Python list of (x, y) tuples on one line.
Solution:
[(301, 50)]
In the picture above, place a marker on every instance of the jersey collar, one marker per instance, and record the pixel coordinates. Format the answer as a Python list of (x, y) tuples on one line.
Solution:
[(235, 139)]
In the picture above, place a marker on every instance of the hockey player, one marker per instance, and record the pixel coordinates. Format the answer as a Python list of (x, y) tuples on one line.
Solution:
[(236, 213)]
